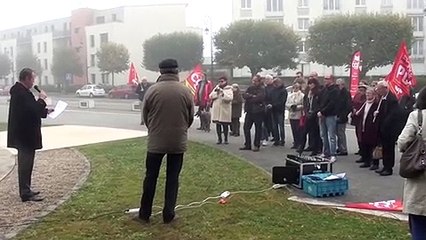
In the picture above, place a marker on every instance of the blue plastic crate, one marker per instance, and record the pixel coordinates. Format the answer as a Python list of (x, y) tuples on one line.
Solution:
[(315, 186)]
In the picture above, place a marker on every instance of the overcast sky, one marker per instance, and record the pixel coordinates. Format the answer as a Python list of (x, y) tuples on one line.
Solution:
[(15, 13)]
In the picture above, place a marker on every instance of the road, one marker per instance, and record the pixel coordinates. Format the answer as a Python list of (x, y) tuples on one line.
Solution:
[(364, 185)]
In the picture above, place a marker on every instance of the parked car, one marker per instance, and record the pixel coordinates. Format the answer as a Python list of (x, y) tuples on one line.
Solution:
[(124, 91), (90, 90)]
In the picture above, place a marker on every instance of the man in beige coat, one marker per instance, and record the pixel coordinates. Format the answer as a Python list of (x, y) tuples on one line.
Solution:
[(168, 112)]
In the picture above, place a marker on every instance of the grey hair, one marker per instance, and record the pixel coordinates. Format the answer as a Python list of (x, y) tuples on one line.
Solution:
[(340, 81), (383, 83)]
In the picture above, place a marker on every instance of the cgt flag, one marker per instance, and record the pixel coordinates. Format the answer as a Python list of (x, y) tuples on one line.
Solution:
[(401, 78), (193, 78), (133, 76), (355, 72), (390, 205)]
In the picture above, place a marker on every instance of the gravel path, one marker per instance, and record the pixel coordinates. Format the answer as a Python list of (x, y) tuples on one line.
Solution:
[(57, 174)]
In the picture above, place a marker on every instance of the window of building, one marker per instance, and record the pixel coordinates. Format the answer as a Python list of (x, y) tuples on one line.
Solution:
[(386, 2), (93, 78), (92, 40), (105, 78), (46, 80), (46, 66), (65, 27), (303, 3), (92, 60), (114, 17), (417, 23), (303, 23), (415, 4), (245, 3), (38, 48), (278, 20), (46, 29), (100, 20), (104, 38), (360, 2), (302, 46), (76, 30), (417, 48), (331, 5), (45, 47), (274, 5)]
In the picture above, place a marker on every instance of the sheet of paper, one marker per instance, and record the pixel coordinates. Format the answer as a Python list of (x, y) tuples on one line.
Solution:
[(59, 109), (335, 177)]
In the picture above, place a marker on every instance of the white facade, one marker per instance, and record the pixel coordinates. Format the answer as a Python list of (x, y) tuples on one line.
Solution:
[(300, 14), (42, 48), (8, 47), (136, 24)]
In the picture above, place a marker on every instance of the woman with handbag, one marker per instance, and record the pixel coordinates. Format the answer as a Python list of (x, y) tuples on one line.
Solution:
[(411, 143), (295, 107)]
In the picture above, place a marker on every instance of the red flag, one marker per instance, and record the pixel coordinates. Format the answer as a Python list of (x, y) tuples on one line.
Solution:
[(133, 76), (390, 205), (355, 72), (193, 78), (401, 78)]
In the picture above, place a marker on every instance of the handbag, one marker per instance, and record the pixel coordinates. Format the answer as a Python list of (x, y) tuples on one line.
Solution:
[(378, 153), (413, 160)]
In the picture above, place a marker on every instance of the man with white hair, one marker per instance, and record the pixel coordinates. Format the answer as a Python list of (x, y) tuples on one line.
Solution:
[(388, 115), (343, 110)]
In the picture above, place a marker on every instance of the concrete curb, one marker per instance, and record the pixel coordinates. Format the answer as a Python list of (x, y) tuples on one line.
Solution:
[(49, 209)]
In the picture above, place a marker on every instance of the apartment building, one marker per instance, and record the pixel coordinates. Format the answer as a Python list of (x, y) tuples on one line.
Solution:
[(85, 31), (301, 14)]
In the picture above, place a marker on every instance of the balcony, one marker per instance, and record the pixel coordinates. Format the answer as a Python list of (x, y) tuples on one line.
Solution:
[(23, 40), (274, 14), (303, 11), (246, 13), (61, 34)]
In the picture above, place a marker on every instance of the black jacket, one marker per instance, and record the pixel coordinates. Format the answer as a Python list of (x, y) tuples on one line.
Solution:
[(390, 119), (329, 98), (255, 99), (141, 90), (278, 98), (315, 101), (24, 124), (344, 106)]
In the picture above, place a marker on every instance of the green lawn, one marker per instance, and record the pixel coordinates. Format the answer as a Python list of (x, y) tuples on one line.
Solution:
[(115, 184), (3, 126)]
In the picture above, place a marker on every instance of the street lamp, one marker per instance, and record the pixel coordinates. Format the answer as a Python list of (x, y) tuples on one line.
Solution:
[(209, 31)]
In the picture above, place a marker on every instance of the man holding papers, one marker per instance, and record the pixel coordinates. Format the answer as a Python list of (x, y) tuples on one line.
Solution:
[(24, 129)]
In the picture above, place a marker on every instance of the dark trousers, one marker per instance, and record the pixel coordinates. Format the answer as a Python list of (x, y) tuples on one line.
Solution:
[(312, 130), (222, 128), (366, 152), (417, 227), (388, 155), (235, 126), (296, 131), (25, 170), (153, 164), (278, 126), (250, 119)]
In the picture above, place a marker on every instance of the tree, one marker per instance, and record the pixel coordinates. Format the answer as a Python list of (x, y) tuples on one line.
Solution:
[(113, 58), (5, 65), (257, 45), (65, 61), (26, 59), (334, 39), (185, 47)]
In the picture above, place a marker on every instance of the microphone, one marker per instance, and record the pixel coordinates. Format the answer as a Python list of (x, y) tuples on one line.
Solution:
[(37, 88)]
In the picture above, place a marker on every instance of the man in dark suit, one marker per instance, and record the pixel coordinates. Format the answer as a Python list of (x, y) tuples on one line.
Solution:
[(141, 89), (389, 115), (24, 129)]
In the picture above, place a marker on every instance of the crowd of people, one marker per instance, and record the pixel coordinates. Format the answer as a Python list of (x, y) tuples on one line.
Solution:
[(318, 113)]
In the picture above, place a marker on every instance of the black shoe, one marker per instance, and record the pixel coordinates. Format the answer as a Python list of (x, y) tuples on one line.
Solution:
[(256, 149), (308, 149), (35, 193), (282, 144), (342, 154), (364, 165), (380, 170), (276, 143), (386, 173), (143, 220), (358, 153), (226, 142), (168, 219), (293, 147), (359, 160), (219, 142), (236, 135), (32, 199), (245, 148), (374, 167)]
